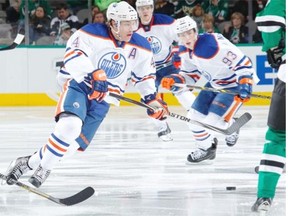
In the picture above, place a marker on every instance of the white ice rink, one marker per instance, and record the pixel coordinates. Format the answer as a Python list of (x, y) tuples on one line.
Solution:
[(134, 173)]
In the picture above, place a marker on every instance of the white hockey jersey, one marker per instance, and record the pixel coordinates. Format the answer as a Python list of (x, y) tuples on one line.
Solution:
[(215, 58), (93, 47), (160, 33)]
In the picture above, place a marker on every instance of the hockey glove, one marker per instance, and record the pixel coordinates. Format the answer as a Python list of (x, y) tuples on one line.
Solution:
[(176, 60), (168, 82), (161, 110), (99, 85), (245, 87), (274, 57)]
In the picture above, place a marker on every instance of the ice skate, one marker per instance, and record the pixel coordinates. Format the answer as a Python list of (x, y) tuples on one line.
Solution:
[(231, 140), (39, 176), (17, 168), (201, 154), (165, 134), (262, 205)]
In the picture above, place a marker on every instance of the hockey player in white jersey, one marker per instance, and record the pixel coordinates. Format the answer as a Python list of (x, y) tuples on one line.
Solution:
[(99, 59), (225, 67), (159, 30)]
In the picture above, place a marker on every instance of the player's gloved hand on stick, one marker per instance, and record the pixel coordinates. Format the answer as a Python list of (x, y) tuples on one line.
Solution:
[(168, 81), (161, 110), (245, 87), (99, 85), (274, 57)]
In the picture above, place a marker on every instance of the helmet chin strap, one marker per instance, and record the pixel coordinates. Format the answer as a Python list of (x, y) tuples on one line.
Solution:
[(116, 34)]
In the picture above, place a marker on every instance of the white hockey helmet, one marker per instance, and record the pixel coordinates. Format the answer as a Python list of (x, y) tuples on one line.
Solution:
[(121, 11), (140, 3), (185, 24)]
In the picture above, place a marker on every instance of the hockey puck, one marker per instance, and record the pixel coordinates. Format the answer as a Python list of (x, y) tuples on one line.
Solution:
[(231, 188)]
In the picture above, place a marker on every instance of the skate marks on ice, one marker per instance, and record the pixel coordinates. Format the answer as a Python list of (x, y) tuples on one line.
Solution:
[(132, 172)]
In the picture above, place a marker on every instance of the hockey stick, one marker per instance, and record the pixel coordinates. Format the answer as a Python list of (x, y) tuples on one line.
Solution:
[(20, 36), (242, 120), (72, 200), (218, 90)]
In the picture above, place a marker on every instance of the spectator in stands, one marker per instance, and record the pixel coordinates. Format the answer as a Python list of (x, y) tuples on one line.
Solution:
[(257, 38), (217, 8), (12, 11), (242, 6), (13, 16), (258, 5), (197, 15), (95, 9), (32, 5), (39, 25), (99, 17), (77, 5), (185, 7), (208, 25), (238, 32), (63, 16), (103, 5), (65, 34), (164, 7)]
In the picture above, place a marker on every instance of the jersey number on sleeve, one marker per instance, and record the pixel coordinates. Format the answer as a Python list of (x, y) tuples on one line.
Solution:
[(76, 42), (230, 56)]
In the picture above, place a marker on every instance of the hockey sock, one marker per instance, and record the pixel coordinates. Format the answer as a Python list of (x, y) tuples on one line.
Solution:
[(67, 129), (272, 163), (55, 149)]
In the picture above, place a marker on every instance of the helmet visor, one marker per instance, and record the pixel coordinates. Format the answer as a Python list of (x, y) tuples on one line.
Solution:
[(127, 25)]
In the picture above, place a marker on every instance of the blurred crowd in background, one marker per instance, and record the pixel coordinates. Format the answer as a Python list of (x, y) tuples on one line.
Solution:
[(52, 22)]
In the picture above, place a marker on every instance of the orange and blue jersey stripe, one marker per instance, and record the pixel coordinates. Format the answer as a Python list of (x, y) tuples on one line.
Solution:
[(201, 135)]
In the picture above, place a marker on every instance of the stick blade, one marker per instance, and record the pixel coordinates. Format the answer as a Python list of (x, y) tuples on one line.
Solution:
[(19, 38), (241, 121), (78, 198)]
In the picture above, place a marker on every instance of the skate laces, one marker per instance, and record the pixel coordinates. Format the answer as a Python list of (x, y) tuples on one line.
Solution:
[(233, 137), (17, 172), (198, 153), (20, 168), (41, 174)]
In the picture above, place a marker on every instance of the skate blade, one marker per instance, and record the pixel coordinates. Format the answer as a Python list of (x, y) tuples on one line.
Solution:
[(205, 162), (12, 164), (166, 139), (263, 213)]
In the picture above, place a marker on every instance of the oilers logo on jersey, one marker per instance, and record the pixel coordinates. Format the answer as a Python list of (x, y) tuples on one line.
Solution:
[(113, 63), (155, 44)]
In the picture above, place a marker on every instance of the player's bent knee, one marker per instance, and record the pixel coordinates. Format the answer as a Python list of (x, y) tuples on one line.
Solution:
[(68, 127)]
